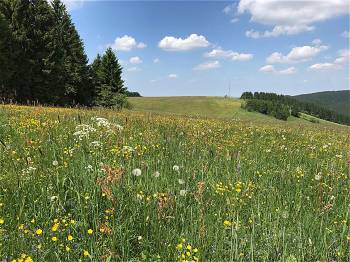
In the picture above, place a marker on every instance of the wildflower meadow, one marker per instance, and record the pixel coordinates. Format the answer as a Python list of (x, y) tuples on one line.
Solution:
[(100, 185)]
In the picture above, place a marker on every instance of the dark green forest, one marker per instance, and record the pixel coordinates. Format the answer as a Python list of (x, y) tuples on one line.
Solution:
[(42, 59), (338, 101), (281, 106)]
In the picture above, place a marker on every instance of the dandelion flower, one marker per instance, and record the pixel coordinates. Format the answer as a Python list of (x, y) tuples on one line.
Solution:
[(54, 239), (136, 172), (2, 221), (39, 232), (70, 237), (86, 253), (90, 231), (55, 163)]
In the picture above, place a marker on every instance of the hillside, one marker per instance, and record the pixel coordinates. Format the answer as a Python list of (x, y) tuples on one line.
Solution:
[(338, 101), (213, 107)]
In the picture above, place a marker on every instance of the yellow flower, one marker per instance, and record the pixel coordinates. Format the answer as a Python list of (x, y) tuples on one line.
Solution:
[(227, 223), (54, 239), (72, 221), (67, 248), (55, 227), (28, 259), (189, 247), (39, 232), (86, 253), (70, 237), (2, 221), (195, 250), (179, 246), (348, 237), (90, 231)]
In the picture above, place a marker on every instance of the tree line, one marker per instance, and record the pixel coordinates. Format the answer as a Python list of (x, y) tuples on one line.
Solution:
[(278, 106), (42, 59)]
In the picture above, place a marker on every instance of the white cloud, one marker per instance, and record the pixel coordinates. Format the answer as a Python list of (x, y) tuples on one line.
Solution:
[(317, 42), (323, 67), (346, 34), (207, 66), (290, 17), (228, 54), (170, 43), (342, 59), (272, 69), (156, 60), (73, 4), (297, 54), (134, 69), (229, 9), (135, 60), (126, 43), (172, 76)]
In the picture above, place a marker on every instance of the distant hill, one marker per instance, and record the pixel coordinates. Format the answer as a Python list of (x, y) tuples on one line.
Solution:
[(338, 101)]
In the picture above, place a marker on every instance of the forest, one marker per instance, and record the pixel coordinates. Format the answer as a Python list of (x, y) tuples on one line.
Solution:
[(42, 60), (280, 106)]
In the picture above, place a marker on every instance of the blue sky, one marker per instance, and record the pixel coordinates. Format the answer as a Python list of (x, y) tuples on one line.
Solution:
[(201, 48)]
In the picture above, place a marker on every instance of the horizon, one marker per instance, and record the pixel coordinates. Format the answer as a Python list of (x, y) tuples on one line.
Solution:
[(218, 45)]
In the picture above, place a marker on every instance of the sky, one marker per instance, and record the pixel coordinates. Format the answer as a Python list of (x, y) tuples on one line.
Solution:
[(217, 48)]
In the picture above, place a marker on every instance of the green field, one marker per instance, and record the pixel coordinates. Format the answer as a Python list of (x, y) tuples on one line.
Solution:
[(211, 107), (100, 185)]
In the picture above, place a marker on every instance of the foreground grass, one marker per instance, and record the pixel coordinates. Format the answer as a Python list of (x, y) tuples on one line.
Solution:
[(147, 187)]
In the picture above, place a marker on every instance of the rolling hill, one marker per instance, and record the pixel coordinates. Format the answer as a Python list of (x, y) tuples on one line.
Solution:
[(338, 101), (212, 107)]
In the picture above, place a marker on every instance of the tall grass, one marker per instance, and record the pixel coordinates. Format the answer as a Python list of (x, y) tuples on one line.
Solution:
[(145, 187)]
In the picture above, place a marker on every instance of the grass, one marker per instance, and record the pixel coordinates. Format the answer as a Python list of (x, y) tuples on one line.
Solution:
[(211, 107), (134, 186)]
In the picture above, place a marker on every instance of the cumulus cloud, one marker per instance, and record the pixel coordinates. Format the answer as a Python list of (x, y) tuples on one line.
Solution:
[(134, 69), (272, 69), (346, 34), (290, 17), (172, 76), (296, 55), (170, 43), (126, 43), (207, 66), (342, 59), (135, 60), (228, 54)]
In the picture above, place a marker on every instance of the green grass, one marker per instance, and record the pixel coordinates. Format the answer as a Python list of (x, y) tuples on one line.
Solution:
[(211, 107), (151, 187)]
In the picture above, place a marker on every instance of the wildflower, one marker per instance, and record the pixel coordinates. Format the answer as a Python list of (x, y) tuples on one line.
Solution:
[(227, 223), (55, 227), (90, 231), (176, 168), (181, 181), (136, 172), (39, 232), (72, 221), (2, 221), (54, 239), (67, 248), (179, 246), (86, 253), (318, 177), (70, 237), (139, 238), (183, 192), (55, 163), (156, 174)]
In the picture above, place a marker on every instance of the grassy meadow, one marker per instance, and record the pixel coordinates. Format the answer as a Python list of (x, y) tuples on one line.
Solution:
[(99, 185)]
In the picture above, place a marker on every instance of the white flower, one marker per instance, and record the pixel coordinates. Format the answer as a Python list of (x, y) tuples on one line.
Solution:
[(89, 167), (181, 181), (136, 172), (183, 192), (55, 163), (318, 177), (139, 238), (95, 144), (156, 174), (53, 198), (176, 168)]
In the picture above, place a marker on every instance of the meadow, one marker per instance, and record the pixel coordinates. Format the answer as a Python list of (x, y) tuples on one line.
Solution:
[(99, 185)]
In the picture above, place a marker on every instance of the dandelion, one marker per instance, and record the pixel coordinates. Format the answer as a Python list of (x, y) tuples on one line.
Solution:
[(183, 192), (136, 172), (227, 223), (55, 163), (90, 231), (39, 232), (54, 239), (2, 221), (70, 238), (86, 253), (176, 168)]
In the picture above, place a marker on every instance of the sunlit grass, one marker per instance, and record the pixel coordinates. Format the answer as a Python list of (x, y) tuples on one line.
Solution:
[(99, 185)]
